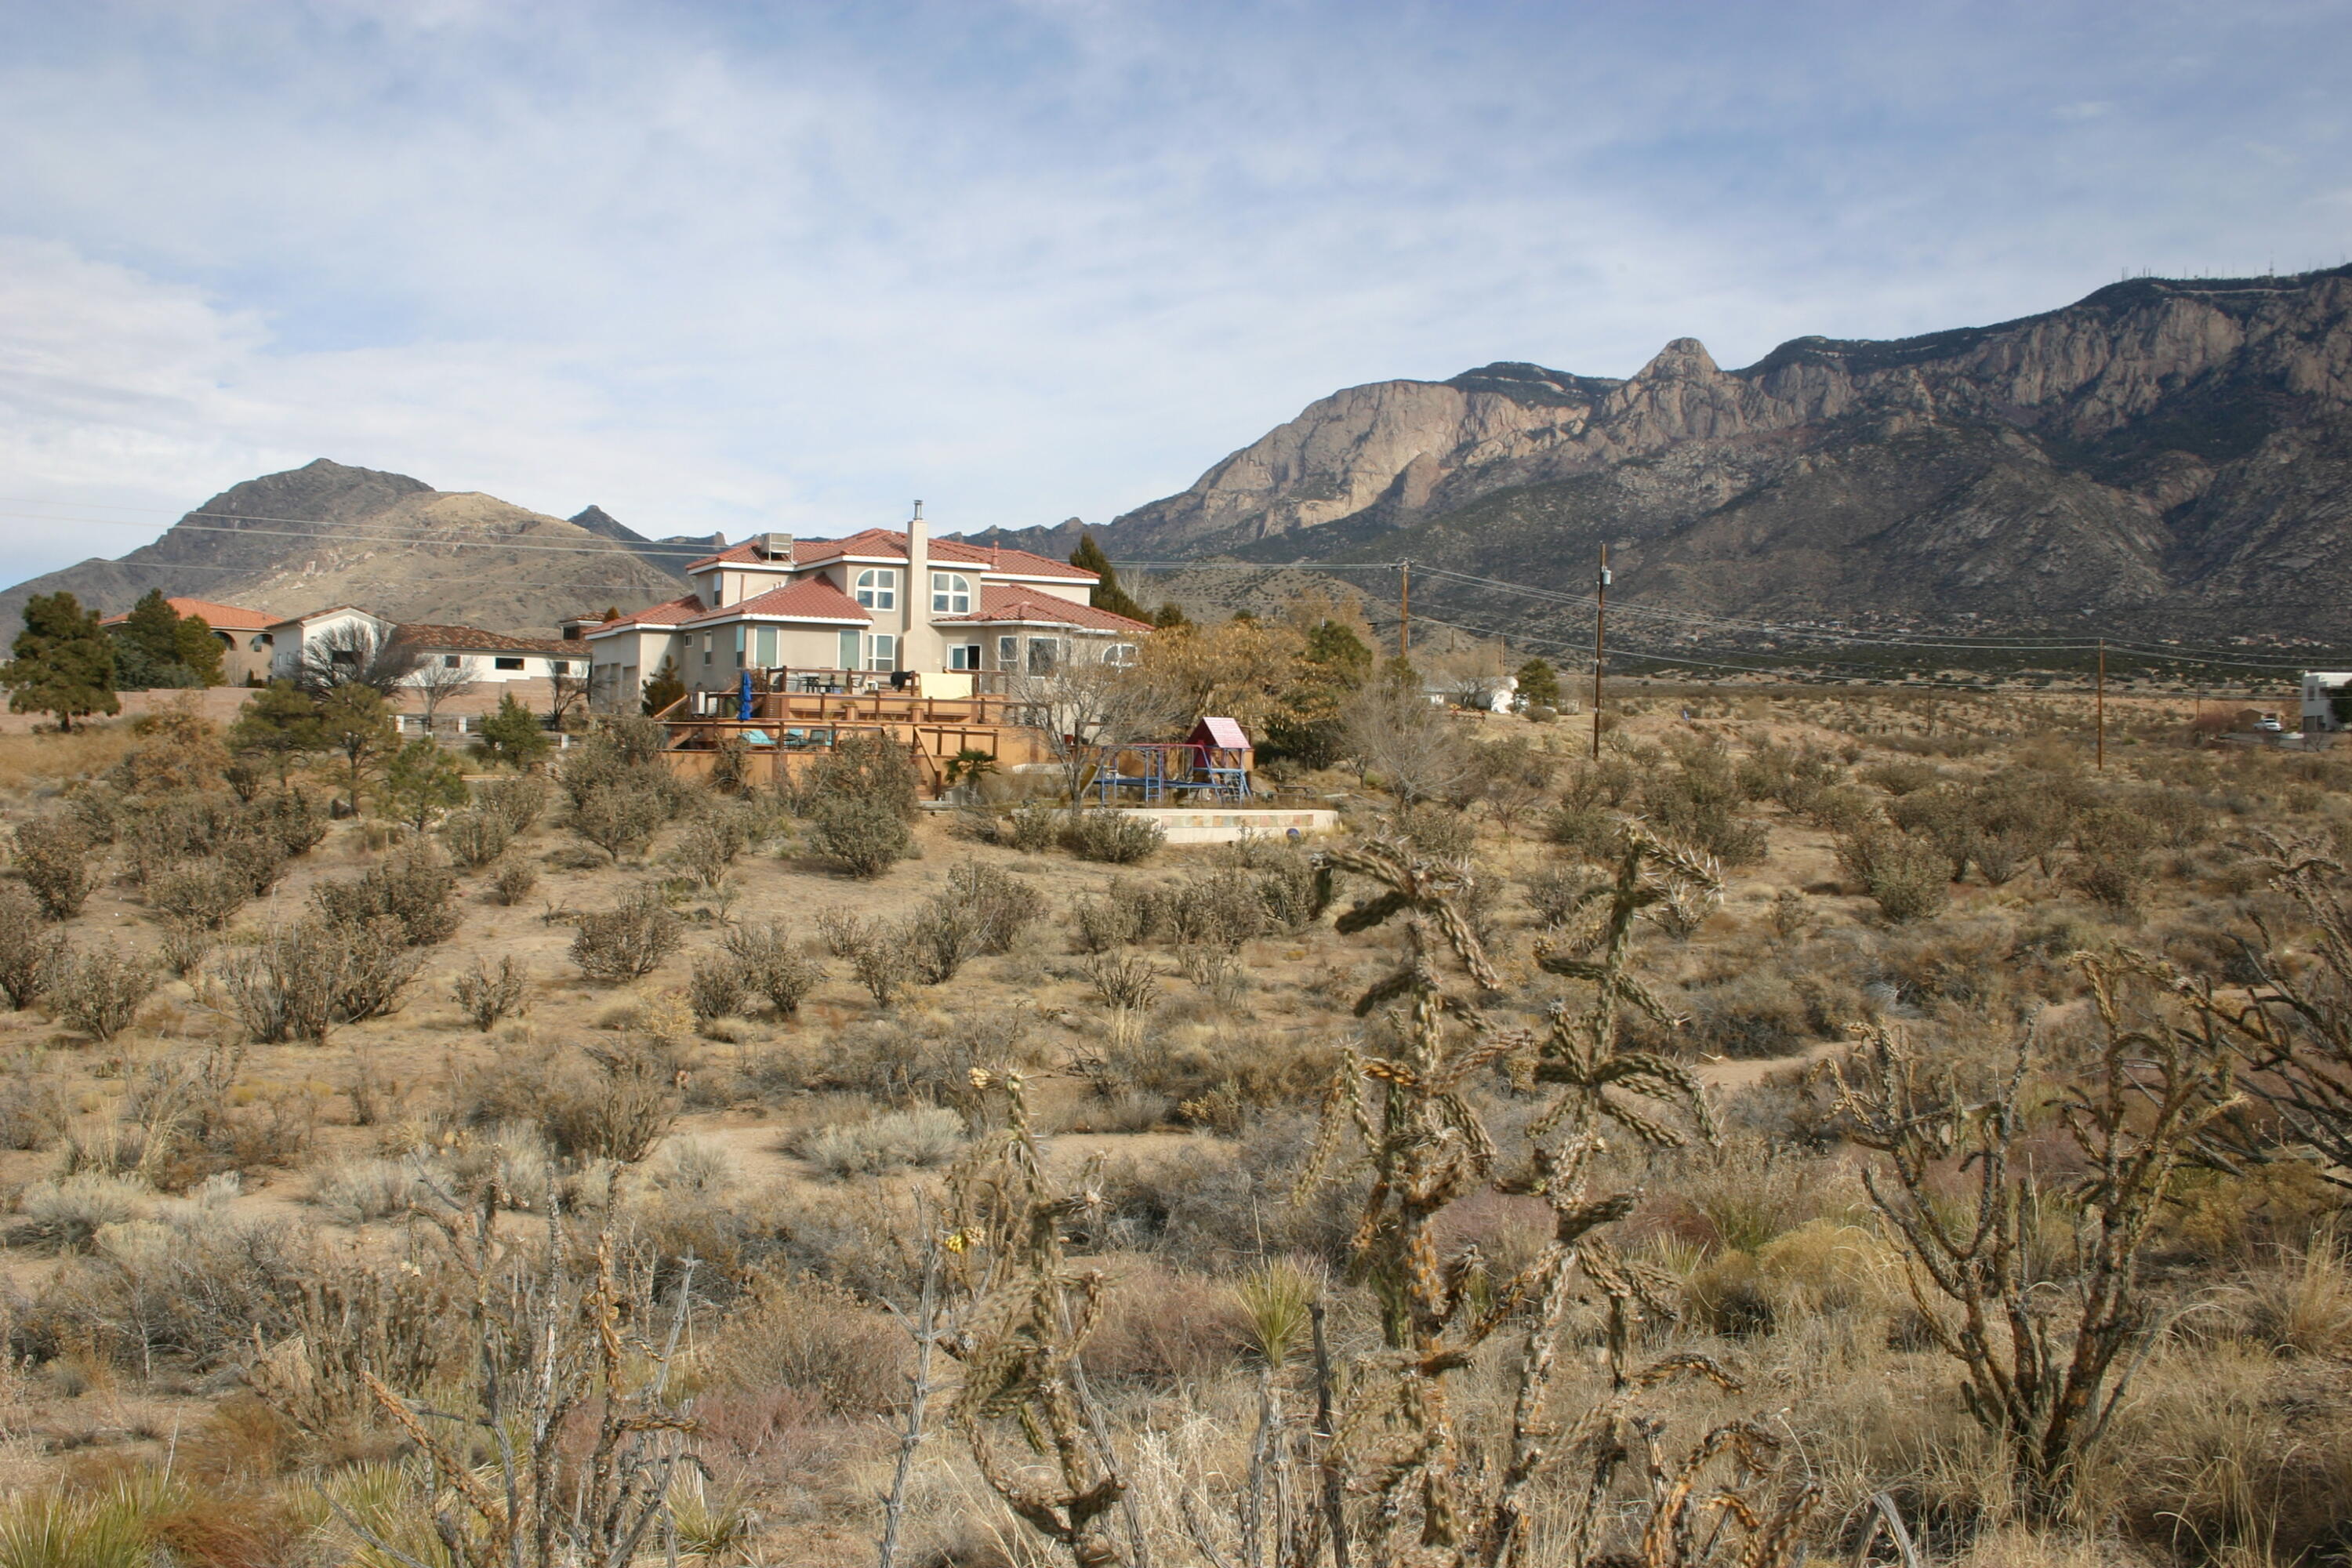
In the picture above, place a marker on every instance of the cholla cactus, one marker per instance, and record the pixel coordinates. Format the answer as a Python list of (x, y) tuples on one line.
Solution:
[(1415, 1128), (1025, 1316)]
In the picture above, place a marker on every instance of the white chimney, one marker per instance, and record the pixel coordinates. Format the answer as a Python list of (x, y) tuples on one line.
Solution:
[(918, 601)]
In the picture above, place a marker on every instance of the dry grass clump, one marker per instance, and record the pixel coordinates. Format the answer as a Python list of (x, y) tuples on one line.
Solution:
[(923, 1138)]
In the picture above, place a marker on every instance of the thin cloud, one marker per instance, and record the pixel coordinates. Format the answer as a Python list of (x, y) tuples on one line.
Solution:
[(728, 267)]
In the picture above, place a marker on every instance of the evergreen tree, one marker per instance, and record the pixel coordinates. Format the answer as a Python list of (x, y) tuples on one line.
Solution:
[(1107, 595), (1334, 647), (64, 662), (279, 724), (421, 781), (1539, 685), (1171, 615), (513, 735), (157, 649), (357, 721), (664, 689), (199, 652)]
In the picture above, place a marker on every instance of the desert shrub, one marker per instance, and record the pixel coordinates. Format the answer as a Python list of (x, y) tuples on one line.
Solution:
[(622, 817), (71, 1210), (713, 839), (98, 989), (2110, 849), (1695, 804), (475, 837), (1286, 886), (301, 981), (1757, 1013), (866, 833), (357, 1192), (206, 896), (772, 965), (1001, 904), (1122, 981), (1901, 778), (290, 819), (813, 1337), (1101, 922), (866, 768), (514, 804), (33, 1108), (489, 995), (1583, 829), (715, 988), (1904, 875), (1113, 837), (628, 940), (513, 881), (876, 962), (1031, 828), (1555, 894), (411, 894), (937, 938), (1164, 1329), (53, 857), (920, 1138), (26, 949), (611, 1101)]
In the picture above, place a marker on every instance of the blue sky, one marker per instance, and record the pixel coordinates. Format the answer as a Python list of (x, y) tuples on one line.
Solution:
[(740, 266)]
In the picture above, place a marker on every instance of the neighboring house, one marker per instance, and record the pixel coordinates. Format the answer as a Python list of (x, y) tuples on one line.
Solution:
[(2326, 702), (961, 617), (340, 630), (471, 669), (244, 635)]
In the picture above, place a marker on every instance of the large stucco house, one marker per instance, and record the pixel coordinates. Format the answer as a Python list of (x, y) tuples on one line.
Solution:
[(814, 612)]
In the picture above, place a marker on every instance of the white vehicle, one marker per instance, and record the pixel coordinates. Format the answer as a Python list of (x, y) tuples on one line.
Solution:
[(2269, 725)]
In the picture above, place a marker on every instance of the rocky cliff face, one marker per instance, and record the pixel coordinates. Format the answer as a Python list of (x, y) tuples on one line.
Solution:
[(2158, 446), (326, 534)]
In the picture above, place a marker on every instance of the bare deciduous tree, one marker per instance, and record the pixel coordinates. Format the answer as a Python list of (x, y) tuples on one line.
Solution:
[(1399, 738), (1084, 703), (352, 654), (436, 680)]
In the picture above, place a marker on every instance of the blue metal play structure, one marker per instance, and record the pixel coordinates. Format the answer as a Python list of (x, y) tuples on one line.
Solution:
[(1212, 763)]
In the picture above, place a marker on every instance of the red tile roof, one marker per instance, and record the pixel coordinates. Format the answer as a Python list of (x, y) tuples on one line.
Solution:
[(668, 613), (419, 635), (1011, 601), (811, 599), (220, 617)]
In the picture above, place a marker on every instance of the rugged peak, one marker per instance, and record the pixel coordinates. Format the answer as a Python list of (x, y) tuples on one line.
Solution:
[(1684, 359), (597, 521)]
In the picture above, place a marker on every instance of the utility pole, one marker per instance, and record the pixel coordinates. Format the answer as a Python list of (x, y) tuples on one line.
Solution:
[(2102, 704), (1600, 643), (1404, 611)]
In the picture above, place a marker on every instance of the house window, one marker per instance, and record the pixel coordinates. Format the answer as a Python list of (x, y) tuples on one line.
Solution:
[(881, 651), (1119, 653), (559, 667), (1008, 653), (965, 656), (505, 664), (877, 588), (1045, 653), (950, 594), (450, 661), (345, 656), (706, 647), (763, 647), (848, 653)]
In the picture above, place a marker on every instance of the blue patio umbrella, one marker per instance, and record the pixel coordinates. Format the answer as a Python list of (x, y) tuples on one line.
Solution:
[(743, 700)]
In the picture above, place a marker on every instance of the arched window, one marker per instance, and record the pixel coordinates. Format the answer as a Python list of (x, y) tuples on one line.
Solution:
[(877, 588), (950, 594)]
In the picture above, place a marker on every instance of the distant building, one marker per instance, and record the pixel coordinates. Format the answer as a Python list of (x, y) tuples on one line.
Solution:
[(2326, 702), (244, 635), (897, 604)]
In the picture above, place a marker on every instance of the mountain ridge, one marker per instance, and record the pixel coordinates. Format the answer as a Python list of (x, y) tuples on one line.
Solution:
[(327, 533), (2159, 448)]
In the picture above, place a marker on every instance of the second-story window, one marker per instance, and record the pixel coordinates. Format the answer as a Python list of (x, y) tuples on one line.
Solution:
[(506, 663), (877, 588), (950, 594)]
